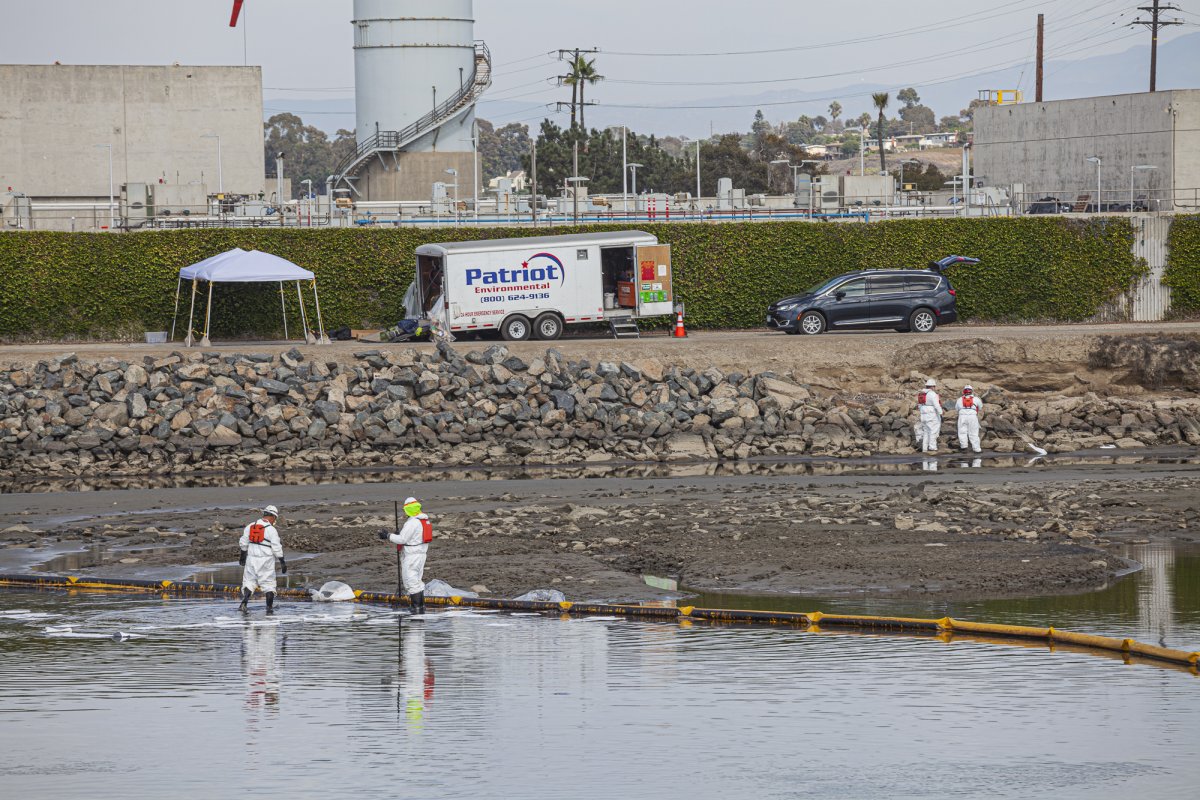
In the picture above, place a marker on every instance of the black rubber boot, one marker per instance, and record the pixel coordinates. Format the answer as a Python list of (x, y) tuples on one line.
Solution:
[(245, 599), (418, 602), (270, 602)]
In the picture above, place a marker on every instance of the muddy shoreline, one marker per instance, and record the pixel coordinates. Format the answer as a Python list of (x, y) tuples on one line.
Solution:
[(958, 533)]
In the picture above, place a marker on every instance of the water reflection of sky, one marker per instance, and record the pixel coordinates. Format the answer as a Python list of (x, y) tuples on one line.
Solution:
[(1161, 601), (757, 467), (466, 704)]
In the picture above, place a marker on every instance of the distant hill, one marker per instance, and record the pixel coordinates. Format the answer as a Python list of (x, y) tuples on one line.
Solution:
[(1115, 73)]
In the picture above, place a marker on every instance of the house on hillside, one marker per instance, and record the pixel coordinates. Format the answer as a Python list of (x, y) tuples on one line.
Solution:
[(517, 182)]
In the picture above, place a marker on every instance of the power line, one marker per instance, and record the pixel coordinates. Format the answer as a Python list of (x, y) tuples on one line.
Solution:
[(953, 22), (547, 54), (935, 82), (518, 96), (1003, 42)]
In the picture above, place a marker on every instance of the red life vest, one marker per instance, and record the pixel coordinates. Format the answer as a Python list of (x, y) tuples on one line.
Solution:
[(968, 401), (921, 397), (258, 533)]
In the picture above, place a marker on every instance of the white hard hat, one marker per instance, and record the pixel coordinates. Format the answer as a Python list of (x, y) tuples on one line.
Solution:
[(270, 511), (968, 389), (930, 383), (410, 500)]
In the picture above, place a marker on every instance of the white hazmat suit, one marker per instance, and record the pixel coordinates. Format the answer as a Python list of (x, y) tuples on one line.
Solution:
[(260, 557), (412, 554), (931, 421), (968, 422)]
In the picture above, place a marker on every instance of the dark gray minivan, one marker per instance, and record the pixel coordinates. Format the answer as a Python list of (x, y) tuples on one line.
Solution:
[(902, 299)]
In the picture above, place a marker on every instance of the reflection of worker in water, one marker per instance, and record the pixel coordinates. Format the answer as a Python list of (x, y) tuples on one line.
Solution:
[(416, 676), (260, 666)]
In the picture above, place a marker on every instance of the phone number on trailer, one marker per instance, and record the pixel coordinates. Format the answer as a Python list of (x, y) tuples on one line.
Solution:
[(515, 298)]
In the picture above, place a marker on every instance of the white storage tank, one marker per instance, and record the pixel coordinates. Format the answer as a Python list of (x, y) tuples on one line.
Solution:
[(410, 58)]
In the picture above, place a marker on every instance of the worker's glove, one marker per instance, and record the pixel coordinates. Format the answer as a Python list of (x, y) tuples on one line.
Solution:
[(242, 558), (383, 534), (283, 566)]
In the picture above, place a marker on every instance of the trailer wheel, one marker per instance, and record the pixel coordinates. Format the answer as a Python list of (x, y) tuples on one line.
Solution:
[(515, 329), (547, 327)]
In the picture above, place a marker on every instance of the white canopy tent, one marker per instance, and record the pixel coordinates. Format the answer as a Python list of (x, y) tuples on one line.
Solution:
[(239, 266)]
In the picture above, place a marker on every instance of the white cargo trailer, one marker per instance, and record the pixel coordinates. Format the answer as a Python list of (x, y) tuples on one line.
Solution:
[(535, 286)]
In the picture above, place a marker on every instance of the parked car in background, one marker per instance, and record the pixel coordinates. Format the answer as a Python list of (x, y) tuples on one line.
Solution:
[(901, 299), (1048, 205)]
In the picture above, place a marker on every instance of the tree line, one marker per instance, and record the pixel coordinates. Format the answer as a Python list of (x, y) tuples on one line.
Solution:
[(757, 161)]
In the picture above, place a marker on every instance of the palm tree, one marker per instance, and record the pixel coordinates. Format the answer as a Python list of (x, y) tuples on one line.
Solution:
[(880, 99), (835, 110), (582, 72)]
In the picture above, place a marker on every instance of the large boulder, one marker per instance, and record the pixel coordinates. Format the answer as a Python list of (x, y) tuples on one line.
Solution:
[(224, 437), (689, 446)]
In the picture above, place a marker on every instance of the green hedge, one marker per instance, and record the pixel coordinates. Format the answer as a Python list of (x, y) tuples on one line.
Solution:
[(1183, 264), (59, 285)]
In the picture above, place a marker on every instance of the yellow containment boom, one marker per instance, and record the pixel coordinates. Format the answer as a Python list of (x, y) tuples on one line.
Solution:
[(944, 628)]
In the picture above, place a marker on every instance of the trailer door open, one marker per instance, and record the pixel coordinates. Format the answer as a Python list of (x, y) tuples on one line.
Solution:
[(430, 283), (653, 268)]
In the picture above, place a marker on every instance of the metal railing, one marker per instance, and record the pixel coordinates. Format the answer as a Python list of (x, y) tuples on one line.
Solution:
[(1082, 200), (481, 78)]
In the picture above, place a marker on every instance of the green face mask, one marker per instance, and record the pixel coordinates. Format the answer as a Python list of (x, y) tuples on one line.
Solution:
[(412, 509)]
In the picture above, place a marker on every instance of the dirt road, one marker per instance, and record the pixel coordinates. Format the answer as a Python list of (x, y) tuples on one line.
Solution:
[(955, 533)]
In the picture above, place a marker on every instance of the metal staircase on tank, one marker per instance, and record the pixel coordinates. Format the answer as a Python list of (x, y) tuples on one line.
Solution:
[(624, 328), (393, 141)]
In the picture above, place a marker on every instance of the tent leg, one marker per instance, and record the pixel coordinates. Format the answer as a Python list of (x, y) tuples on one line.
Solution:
[(175, 316), (308, 337), (321, 337), (207, 317), (190, 339), (283, 304)]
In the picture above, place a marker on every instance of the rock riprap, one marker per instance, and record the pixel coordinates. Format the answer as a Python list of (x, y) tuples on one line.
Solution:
[(253, 411)]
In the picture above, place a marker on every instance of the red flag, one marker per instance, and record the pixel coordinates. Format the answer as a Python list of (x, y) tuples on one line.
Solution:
[(237, 10)]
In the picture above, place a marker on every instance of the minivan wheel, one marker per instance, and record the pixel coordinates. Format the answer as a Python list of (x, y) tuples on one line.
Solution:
[(548, 327), (515, 329), (922, 321), (811, 323)]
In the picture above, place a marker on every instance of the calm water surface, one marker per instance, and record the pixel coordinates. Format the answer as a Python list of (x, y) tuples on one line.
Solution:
[(492, 705), (1159, 602)]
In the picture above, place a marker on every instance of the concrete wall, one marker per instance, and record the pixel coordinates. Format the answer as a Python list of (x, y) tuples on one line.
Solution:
[(412, 176), (1045, 146), (51, 118)]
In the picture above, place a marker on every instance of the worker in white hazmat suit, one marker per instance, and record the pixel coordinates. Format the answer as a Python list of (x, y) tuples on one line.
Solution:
[(413, 543), (260, 546), (930, 407), (969, 408)]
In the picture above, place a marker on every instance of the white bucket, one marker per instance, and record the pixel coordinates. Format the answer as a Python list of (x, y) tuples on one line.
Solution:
[(610, 300)]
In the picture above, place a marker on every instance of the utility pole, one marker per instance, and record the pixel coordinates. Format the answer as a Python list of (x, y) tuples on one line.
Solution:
[(624, 172), (1040, 54), (533, 184), (1154, 24), (574, 53)]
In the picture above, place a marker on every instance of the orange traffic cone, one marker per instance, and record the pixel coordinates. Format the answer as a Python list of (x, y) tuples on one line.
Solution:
[(680, 332)]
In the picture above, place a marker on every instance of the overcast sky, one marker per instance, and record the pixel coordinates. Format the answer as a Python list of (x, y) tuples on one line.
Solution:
[(304, 46)]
